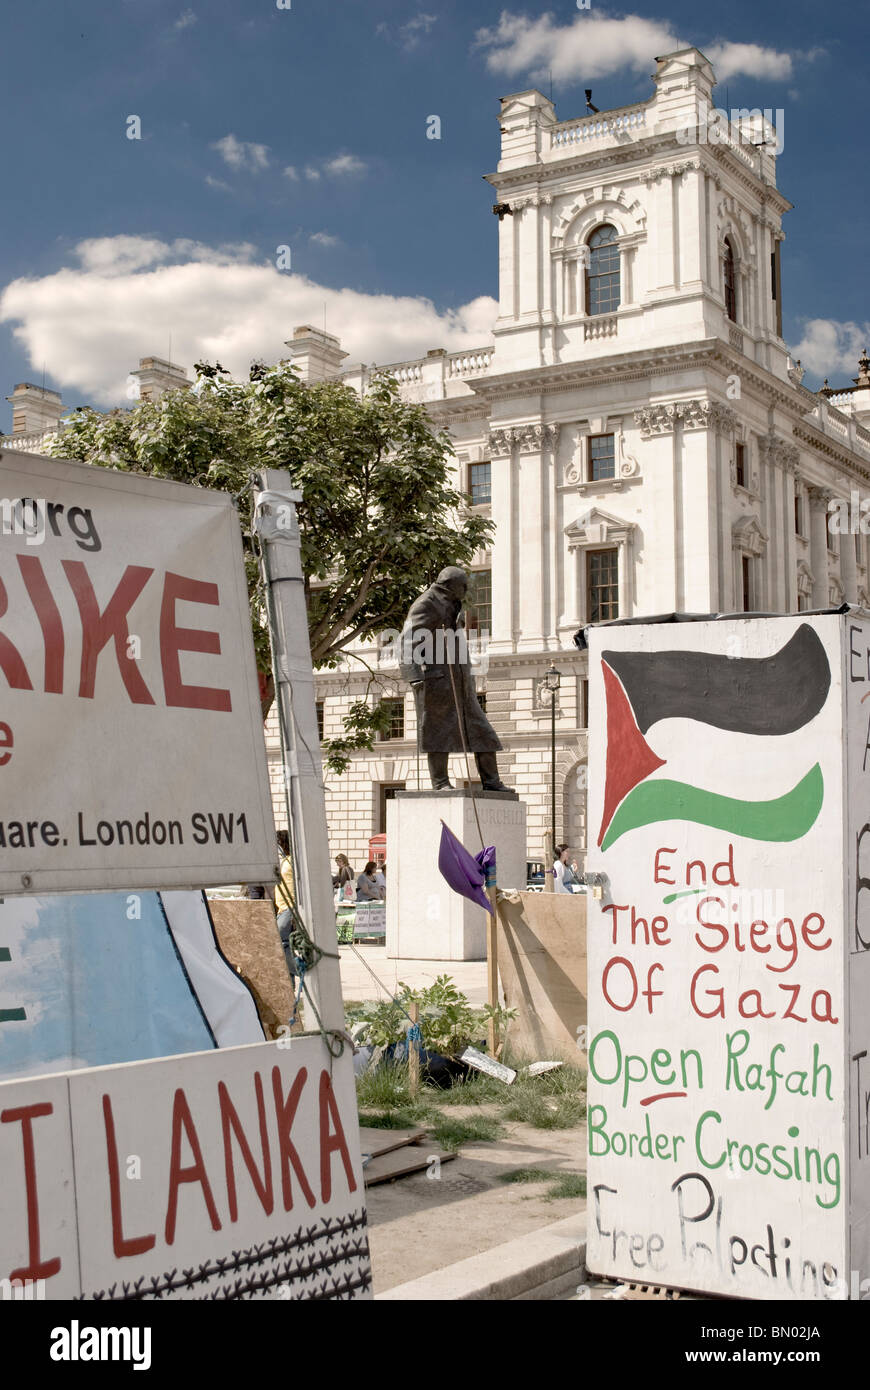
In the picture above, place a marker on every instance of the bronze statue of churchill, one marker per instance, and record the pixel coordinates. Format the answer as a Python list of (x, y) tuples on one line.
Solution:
[(434, 649)]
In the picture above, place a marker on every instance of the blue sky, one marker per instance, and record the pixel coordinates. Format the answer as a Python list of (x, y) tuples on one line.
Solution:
[(305, 127)]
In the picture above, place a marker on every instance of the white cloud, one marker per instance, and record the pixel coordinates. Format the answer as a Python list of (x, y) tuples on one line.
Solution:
[(588, 47), (242, 154), (217, 183), (89, 324), (311, 172), (345, 164), (593, 46), (185, 20), (290, 173), (408, 35), (829, 348), (749, 60), (325, 239)]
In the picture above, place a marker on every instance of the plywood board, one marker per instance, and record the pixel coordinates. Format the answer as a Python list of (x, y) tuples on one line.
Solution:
[(384, 1141), (248, 935), (401, 1162), (542, 964)]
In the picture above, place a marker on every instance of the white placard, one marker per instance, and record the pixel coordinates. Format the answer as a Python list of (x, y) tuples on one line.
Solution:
[(230, 1174), (718, 1000), (131, 740)]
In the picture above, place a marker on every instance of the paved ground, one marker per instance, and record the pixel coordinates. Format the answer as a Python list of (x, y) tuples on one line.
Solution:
[(357, 983), (419, 1224)]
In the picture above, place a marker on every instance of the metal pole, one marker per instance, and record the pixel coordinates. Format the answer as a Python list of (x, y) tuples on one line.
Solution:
[(553, 763), (278, 529)]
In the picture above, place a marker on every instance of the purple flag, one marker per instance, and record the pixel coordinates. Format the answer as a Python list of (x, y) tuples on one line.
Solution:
[(465, 872)]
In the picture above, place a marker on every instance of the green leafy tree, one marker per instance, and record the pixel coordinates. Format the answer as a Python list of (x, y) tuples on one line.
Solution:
[(380, 514)]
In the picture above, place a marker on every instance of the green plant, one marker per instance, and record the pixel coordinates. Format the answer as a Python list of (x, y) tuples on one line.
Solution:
[(448, 1023)]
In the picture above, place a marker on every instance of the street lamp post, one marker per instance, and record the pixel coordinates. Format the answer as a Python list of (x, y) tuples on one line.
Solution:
[(553, 679)]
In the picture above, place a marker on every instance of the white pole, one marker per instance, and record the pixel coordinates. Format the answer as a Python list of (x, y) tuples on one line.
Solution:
[(276, 524)]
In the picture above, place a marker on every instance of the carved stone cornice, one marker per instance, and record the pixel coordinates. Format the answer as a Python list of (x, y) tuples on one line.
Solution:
[(693, 415), (670, 171), (529, 439), (534, 200)]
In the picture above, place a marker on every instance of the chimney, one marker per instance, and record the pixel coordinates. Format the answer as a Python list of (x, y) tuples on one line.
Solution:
[(317, 355), (156, 376), (35, 410)]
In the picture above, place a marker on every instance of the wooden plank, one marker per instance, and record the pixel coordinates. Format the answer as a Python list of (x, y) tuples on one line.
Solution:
[(400, 1163), (384, 1141)]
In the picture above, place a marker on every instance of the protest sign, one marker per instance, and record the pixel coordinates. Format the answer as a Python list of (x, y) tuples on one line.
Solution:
[(728, 792), (131, 739), (233, 1174)]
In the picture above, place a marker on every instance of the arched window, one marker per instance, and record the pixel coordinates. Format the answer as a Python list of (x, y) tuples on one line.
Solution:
[(602, 276), (730, 280)]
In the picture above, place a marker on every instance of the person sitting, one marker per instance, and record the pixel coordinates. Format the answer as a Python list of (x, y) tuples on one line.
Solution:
[(367, 889)]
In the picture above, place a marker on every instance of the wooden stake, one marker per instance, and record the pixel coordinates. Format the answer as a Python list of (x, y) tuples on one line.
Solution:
[(492, 968), (413, 1055)]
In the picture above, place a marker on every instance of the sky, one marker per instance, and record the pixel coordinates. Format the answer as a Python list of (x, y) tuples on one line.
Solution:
[(283, 174)]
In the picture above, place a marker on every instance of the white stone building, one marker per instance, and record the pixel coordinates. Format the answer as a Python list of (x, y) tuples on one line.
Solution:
[(636, 428)]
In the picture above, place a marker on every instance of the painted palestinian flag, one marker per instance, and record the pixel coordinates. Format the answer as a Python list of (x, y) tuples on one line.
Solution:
[(733, 703)]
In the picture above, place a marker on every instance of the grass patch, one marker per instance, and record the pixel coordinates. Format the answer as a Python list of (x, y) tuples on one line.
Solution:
[(384, 1088), (477, 1129), (474, 1089), (569, 1185), (529, 1175), (545, 1111), (560, 1185)]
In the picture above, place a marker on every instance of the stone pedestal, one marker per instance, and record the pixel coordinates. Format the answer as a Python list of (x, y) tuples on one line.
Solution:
[(427, 920)]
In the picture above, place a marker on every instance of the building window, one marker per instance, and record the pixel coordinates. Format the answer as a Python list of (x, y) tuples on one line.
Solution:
[(480, 484), (602, 585), (396, 727), (746, 573), (730, 279), (740, 465), (858, 556), (584, 704), (602, 277), (387, 791), (319, 707), (797, 515), (602, 457), (478, 602)]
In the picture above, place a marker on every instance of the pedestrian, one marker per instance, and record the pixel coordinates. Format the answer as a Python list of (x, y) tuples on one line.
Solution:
[(343, 873), (367, 890), (381, 880), (564, 873), (284, 887)]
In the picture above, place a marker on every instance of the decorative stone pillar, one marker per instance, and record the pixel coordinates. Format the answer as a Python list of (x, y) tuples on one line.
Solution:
[(504, 508), (818, 498), (848, 564)]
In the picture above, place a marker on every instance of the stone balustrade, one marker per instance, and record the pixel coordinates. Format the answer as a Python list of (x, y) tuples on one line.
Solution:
[(623, 121), (601, 326)]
